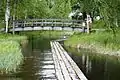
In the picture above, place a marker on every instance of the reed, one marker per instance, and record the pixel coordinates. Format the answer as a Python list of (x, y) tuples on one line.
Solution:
[(10, 52)]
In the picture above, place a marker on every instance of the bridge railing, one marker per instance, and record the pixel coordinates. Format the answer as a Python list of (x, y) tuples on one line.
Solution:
[(48, 22)]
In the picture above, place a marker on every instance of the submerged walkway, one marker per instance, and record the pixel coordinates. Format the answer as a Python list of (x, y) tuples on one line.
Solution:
[(65, 67)]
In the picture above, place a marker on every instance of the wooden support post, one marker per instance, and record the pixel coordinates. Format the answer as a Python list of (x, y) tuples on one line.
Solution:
[(52, 23), (55, 23), (24, 23), (7, 15), (62, 23), (83, 26), (89, 22), (42, 22), (45, 23)]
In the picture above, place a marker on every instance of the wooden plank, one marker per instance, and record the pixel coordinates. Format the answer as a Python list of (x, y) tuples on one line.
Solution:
[(70, 69), (74, 65), (62, 64), (59, 74)]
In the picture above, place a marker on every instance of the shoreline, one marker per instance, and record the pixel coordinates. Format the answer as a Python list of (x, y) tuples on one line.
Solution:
[(95, 48), (11, 55)]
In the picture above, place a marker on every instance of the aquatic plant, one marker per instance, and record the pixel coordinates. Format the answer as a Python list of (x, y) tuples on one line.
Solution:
[(10, 52), (10, 56)]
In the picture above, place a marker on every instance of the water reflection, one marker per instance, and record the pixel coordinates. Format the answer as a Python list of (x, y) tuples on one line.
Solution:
[(38, 62), (96, 66)]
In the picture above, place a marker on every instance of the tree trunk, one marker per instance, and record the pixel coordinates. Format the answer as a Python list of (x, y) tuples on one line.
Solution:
[(15, 5), (7, 15), (88, 30)]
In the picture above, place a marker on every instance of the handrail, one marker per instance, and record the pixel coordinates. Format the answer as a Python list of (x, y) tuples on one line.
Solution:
[(60, 20), (48, 22)]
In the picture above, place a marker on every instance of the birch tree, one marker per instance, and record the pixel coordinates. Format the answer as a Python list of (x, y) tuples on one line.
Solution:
[(7, 15)]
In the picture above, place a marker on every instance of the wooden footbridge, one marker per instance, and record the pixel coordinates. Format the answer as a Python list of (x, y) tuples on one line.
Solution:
[(65, 67), (47, 24)]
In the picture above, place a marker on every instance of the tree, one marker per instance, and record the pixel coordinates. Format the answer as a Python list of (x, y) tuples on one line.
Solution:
[(108, 9), (61, 9)]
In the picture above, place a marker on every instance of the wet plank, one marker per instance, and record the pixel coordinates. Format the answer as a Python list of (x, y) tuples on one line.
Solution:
[(73, 64), (62, 65), (59, 74), (68, 65), (69, 69)]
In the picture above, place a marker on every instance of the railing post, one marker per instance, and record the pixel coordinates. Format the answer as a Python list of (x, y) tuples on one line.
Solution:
[(83, 26), (52, 23), (89, 21), (24, 23), (55, 23), (62, 23)]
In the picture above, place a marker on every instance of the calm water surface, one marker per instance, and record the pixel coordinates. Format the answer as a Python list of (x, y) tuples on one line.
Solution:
[(96, 66), (38, 62)]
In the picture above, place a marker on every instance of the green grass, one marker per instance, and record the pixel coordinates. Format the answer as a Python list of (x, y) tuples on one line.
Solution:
[(102, 42), (47, 34), (10, 52)]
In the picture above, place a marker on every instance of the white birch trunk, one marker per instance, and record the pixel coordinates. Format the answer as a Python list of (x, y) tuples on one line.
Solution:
[(7, 15), (14, 17), (88, 27)]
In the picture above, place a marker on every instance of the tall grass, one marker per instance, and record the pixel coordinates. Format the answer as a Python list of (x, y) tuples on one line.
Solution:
[(103, 42), (10, 52), (10, 56)]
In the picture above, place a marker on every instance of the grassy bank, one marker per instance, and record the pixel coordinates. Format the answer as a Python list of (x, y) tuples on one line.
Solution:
[(47, 34), (102, 42), (10, 52)]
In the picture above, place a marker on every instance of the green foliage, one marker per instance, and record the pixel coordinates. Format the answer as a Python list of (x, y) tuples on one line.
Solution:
[(38, 8), (99, 24), (2, 9), (61, 9), (10, 52), (107, 9)]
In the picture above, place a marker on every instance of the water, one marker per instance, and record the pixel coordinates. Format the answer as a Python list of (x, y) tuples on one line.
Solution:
[(96, 66), (38, 62)]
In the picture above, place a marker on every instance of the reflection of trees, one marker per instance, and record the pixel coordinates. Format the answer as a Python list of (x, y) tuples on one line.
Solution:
[(96, 66)]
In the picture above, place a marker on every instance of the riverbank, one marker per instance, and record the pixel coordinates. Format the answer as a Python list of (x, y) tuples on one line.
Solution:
[(102, 42), (10, 52), (47, 34)]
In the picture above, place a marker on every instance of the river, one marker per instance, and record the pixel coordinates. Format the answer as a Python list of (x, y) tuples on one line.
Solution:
[(96, 66), (38, 63)]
